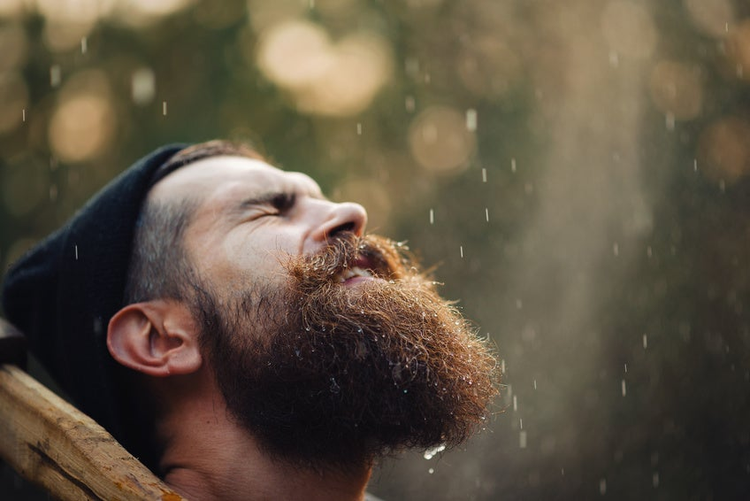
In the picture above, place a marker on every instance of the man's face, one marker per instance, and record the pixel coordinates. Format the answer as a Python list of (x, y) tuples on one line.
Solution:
[(250, 216), (330, 347)]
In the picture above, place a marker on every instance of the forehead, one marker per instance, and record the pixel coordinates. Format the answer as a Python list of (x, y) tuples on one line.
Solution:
[(225, 178)]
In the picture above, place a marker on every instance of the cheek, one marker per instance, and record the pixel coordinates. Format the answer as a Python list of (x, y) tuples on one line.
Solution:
[(255, 258)]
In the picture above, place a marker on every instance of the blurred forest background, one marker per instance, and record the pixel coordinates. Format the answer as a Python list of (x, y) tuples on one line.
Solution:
[(579, 171)]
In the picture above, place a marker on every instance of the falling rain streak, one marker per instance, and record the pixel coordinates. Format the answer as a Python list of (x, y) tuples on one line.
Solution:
[(359, 129), (624, 388), (84, 45), (484, 175), (164, 108), (461, 250), (645, 341), (432, 216), (55, 75), (513, 165), (471, 120)]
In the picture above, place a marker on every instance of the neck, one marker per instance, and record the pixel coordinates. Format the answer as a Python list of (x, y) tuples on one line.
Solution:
[(208, 456)]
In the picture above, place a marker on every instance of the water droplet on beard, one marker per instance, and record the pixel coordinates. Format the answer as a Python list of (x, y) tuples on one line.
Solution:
[(431, 453), (335, 388), (307, 329)]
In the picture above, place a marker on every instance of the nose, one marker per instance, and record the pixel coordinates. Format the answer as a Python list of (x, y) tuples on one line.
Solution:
[(347, 216)]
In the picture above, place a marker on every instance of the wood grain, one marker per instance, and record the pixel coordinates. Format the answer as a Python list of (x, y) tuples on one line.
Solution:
[(51, 443)]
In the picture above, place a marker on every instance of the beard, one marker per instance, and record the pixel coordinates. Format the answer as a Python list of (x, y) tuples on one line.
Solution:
[(322, 372)]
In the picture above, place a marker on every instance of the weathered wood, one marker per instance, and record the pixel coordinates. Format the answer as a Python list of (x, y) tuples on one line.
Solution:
[(51, 443), (12, 345)]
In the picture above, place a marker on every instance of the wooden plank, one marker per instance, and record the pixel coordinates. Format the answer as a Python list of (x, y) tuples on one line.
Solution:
[(51, 443)]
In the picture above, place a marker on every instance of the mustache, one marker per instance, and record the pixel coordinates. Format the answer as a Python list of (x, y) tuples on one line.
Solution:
[(383, 257)]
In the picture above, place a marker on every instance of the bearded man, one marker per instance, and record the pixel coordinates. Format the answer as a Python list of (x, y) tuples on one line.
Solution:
[(241, 335)]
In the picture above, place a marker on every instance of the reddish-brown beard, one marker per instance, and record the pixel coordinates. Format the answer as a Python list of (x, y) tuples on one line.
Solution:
[(338, 375)]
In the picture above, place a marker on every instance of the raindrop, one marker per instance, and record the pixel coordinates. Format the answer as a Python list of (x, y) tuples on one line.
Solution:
[(614, 59), (535, 384), (522, 439), (164, 108), (616, 249), (84, 45), (502, 366), (649, 252), (513, 165), (461, 249), (722, 186), (431, 471), (626, 368), (645, 341), (484, 175), (23, 114), (624, 388), (76, 248), (432, 216), (487, 214), (603, 486), (519, 304), (431, 453), (55, 75), (669, 121), (520, 423), (695, 164), (471, 119), (515, 403), (410, 104), (359, 129), (335, 388)]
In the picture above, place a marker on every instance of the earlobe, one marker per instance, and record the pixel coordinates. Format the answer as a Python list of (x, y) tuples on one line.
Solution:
[(158, 338)]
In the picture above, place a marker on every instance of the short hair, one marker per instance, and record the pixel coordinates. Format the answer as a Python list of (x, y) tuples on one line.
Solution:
[(160, 267)]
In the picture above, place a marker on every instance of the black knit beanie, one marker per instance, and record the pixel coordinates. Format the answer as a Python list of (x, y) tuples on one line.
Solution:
[(63, 292)]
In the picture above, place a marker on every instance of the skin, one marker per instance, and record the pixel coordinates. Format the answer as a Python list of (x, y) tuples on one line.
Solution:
[(239, 234)]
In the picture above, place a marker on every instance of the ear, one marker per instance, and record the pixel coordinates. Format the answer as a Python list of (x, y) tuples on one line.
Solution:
[(158, 338)]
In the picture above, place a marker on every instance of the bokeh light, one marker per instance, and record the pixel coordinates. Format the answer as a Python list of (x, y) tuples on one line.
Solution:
[(324, 77), (712, 17), (738, 50), (676, 89), (724, 149), (629, 29), (440, 141), (84, 122)]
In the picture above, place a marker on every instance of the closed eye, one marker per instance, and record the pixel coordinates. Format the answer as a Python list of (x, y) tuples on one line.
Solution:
[(267, 204), (283, 202)]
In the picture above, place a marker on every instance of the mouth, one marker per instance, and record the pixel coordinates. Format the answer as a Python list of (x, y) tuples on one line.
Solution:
[(360, 270)]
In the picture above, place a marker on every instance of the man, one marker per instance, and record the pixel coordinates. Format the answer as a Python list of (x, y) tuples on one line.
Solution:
[(241, 334)]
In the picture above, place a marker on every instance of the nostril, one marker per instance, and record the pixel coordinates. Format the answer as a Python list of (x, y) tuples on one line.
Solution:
[(341, 228)]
